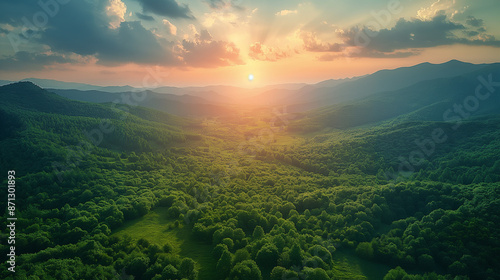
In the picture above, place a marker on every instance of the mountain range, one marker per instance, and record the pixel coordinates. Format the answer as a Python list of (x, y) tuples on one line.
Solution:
[(421, 92)]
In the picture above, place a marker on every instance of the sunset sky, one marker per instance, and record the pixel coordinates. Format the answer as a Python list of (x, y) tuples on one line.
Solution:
[(213, 42)]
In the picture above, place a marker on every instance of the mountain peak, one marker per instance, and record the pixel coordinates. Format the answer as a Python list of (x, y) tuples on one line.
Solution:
[(455, 62), (24, 85)]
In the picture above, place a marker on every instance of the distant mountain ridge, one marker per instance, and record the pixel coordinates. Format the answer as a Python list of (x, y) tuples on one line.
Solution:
[(315, 95), (428, 100), (26, 96), (180, 105), (380, 81), (55, 84), (47, 83), (394, 87)]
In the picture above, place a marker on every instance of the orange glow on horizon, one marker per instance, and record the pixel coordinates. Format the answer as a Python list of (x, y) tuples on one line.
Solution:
[(301, 68)]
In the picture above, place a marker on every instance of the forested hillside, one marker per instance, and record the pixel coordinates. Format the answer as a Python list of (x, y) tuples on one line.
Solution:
[(124, 192), (425, 100)]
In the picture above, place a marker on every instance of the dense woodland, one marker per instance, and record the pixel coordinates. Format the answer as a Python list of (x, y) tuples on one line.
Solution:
[(257, 200)]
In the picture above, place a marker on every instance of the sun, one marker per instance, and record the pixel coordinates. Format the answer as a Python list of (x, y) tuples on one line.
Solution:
[(250, 77)]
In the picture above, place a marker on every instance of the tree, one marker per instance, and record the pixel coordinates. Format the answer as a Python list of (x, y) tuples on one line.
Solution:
[(267, 256), (170, 272), (277, 273), (246, 270), (138, 266), (223, 265), (258, 232), (321, 252), (396, 274), (167, 248), (187, 269), (286, 208), (228, 242), (365, 250), (218, 250), (296, 255), (457, 268), (316, 274), (280, 242), (426, 262), (238, 234), (315, 262), (241, 255)]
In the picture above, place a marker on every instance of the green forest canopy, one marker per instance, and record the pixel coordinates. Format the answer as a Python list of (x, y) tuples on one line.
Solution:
[(277, 206)]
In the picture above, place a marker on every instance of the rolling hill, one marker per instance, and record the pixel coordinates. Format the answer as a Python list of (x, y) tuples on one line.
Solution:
[(30, 113), (425, 100)]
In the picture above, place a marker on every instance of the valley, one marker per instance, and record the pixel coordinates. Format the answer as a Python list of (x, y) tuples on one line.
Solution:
[(351, 179)]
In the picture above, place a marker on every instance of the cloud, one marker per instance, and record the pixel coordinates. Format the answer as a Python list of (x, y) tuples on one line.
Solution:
[(450, 8), (25, 61), (216, 4), (470, 33), (167, 8), (222, 17), (312, 43), (437, 8), (172, 29), (286, 12), (406, 38), (144, 17), (84, 29), (97, 30), (204, 36), (413, 33), (405, 34), (264, 53), (116, 12), (223, 4), (204, 52), (133, 43), (11, 12), (475, 22), (363, 52)]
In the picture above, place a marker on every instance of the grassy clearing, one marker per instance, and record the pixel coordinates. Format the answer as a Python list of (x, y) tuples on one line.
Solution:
[(348, 264), (157, 228)]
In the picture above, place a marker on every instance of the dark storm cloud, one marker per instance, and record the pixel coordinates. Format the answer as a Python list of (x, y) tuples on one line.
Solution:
[(24, 61), (167, 8), (144, 17)]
